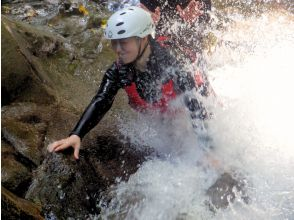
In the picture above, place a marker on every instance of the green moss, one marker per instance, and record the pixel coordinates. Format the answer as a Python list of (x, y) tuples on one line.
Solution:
[(20, 131), (72, 67)]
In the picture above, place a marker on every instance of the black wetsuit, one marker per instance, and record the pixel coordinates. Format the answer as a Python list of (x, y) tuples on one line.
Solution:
[(161, 68)]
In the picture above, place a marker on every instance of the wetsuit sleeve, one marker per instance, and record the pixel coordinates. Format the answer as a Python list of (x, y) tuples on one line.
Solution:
[(196, 108), (205, 89), (100, 103), (186, 84)]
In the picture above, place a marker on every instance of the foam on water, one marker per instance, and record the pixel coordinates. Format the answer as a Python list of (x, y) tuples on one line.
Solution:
[(251, 134)]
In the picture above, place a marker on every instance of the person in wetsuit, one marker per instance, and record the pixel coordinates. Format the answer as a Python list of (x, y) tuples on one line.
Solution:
[(150, 75), (181, 26), (188, 10)]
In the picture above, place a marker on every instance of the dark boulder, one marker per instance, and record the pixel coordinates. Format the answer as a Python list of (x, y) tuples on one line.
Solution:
[(72, 188)]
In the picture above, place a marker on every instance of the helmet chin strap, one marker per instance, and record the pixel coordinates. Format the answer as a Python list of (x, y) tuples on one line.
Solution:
[(140, 53)]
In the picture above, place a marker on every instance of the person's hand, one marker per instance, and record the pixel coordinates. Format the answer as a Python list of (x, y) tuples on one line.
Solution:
[(191, 12), (155, 15), (73, 141)]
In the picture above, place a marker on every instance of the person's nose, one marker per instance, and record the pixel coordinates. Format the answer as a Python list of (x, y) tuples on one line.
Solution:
[(116, 47)]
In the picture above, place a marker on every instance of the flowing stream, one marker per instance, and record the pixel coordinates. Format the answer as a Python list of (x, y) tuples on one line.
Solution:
[(251, 134)]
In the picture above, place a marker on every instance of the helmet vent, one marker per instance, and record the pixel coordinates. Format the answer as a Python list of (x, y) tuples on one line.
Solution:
[(123, 13), (120, 23), (121, 32), (131, 9)]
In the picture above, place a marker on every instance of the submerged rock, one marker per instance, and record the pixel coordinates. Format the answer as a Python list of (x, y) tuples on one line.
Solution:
[(226, 189)]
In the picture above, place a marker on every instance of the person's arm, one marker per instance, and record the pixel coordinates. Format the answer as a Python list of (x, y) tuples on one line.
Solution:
[(186, 84), (191, 12), (99, 105), (205, 88)]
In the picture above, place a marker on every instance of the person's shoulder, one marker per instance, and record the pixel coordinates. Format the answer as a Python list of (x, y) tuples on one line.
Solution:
[(162, 54)]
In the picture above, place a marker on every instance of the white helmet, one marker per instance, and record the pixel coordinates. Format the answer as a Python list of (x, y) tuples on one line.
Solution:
[(129, 22)]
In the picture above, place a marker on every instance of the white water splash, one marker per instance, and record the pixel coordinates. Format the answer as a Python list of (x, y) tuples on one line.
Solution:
[(251, 134)]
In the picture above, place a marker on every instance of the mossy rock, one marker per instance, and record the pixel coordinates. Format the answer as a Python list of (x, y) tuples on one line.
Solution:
[(15, 176), (14, 207), (24, 126), (26, 138), (21, 77)]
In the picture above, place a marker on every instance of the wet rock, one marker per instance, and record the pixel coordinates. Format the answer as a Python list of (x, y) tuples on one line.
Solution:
[(68, 26), (6, 1), (45, 79), (42, 46), (29, 12), (70, 188), (55, 2), (66, 4), (91, 44), (69, 8), (22, 76), (14, 175), (43, 100), (28, 112), (24, 126), (95, 21), (100, 1), (13, 207), (15, 70), (63, 186), (40, 43), (227, 188), (26, 138), (6, 9)]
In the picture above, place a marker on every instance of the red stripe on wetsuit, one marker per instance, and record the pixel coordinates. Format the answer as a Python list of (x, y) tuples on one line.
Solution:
[(138, 103)]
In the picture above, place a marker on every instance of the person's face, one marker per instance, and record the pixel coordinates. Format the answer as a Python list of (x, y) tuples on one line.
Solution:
[(127, 49)]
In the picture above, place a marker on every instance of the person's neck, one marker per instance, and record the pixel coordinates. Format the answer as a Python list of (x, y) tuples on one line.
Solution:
[(141, 64)]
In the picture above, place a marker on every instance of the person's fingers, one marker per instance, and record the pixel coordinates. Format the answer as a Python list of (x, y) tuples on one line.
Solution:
[(51, 147), (76, 152), (62, 146), (73, 141)]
